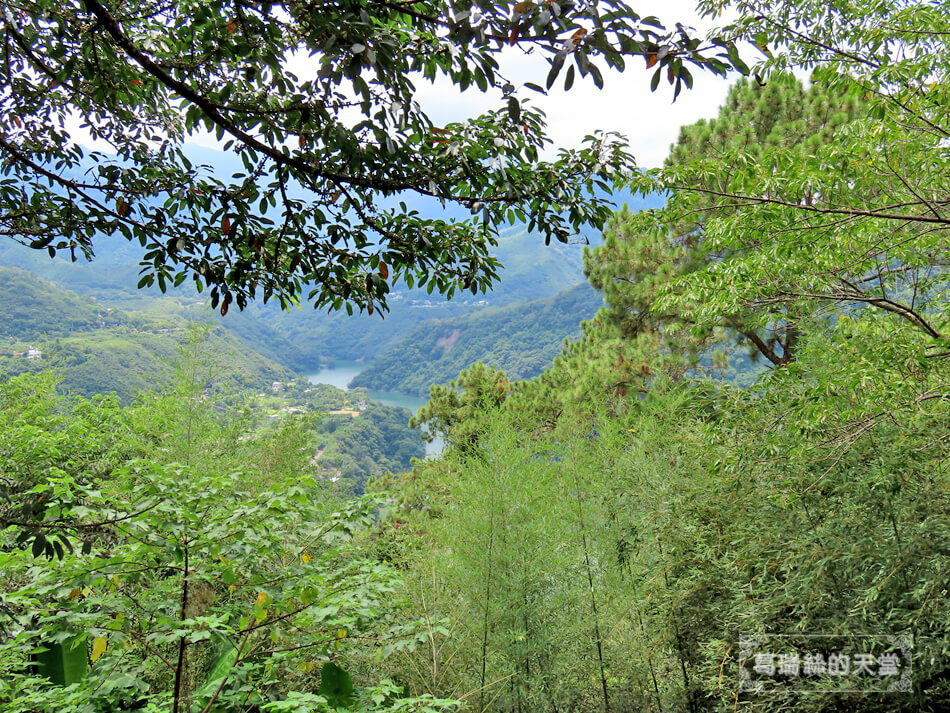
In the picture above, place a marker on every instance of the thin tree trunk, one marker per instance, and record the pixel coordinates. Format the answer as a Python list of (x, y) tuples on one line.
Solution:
[(590, 586), (182, 641), (491, 540)]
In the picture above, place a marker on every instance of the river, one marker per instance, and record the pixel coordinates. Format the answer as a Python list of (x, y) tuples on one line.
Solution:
[(343, 372)]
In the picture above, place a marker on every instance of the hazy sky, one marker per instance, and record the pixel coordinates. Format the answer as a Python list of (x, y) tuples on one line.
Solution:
[(651, 121)]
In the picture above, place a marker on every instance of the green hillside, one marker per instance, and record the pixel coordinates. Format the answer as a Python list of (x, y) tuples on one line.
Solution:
[(305, 339), (521, 339), (97, 349), (34, 309)]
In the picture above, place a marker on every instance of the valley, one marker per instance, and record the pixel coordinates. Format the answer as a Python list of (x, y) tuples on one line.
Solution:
[(354, 357)]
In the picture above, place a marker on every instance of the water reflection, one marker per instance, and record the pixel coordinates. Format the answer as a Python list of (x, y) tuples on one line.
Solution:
[(342, 374)]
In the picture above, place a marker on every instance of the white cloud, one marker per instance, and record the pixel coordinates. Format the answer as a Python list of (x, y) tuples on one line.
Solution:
[(650, 120)]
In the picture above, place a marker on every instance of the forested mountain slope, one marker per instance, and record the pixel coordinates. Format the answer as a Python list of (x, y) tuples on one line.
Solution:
[(304, 338), (96, 348), (522, 339)]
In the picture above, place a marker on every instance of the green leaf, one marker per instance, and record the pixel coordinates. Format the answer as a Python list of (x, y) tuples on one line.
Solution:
[(335, 684), (514, 109), (556, 63), (39, 544), (596, 76), (569, 78)]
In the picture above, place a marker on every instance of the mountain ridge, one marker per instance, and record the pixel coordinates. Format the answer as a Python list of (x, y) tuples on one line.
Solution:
[(522, 339)]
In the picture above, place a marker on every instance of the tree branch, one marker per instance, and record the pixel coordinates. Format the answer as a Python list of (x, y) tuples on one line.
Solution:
[(855, 212), (211, 110)]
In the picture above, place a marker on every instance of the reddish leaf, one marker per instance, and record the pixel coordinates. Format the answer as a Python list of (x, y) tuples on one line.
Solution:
[(384, 270), (224, 308), (231, 26), (225, 225)]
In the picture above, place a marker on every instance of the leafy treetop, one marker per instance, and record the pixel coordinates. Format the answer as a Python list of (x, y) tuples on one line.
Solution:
[(318, 102), (857, 218), (644, 254)]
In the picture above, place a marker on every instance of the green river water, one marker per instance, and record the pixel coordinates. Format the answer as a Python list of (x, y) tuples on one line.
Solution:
[(343, 372)]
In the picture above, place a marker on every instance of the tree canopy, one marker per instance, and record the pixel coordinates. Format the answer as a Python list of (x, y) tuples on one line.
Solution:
[(858, 219), (811, 222), (645, 253), (318, 102)]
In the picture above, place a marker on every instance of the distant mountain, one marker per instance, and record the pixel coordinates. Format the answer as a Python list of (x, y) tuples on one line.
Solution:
[(532, 271), (521, 339), (305, 339)]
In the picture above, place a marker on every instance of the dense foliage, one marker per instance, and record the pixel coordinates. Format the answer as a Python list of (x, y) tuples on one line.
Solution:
[(607, 535), (374, 442), (860, 219), (639, 262), (319, 103), (164, 557), (614, 564)]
